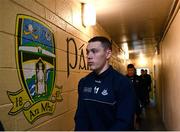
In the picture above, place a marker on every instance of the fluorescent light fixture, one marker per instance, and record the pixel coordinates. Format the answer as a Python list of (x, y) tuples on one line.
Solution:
[(88, 14)]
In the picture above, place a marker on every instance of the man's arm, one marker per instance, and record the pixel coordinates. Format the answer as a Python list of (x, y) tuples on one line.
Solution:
[(125, 106)]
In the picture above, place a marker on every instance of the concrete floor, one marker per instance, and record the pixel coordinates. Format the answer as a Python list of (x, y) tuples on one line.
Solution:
[(151, 120)]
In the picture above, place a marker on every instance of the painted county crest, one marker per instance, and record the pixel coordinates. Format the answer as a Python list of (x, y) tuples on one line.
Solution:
[(36, 66)]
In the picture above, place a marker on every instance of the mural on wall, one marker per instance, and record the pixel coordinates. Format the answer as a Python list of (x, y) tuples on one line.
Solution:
[(36, 66), (79, 58)]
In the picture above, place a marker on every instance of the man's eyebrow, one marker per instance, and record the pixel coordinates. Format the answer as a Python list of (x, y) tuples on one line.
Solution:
[(91, 49)]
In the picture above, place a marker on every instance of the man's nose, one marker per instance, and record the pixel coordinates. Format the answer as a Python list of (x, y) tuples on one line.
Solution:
[(89, 55)]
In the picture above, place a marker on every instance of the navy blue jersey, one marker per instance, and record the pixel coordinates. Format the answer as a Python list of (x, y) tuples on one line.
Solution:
[(136, 81), (106, 102)]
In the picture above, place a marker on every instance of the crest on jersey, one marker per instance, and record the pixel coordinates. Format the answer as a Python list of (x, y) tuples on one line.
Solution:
[(36, 66)]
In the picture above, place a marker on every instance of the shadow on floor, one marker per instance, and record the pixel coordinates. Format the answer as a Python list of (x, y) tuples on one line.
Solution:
[(151, 120)]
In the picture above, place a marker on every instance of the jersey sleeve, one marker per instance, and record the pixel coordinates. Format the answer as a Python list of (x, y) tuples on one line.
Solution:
[(125, 96)]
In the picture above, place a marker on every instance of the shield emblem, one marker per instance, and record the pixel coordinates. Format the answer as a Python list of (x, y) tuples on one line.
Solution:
[(36, 58)]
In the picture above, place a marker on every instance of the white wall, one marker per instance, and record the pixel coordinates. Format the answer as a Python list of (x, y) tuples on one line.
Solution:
[(169, 75)]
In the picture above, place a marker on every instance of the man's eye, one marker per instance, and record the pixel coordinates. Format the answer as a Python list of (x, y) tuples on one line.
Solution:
[(94, 51)]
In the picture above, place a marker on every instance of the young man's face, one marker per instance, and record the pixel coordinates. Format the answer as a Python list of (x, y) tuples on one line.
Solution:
[(142, 72), (97, 56), (130, 71), (145, 72)]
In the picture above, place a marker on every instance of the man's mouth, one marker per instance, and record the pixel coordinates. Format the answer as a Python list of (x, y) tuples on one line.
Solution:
[(90, 63)]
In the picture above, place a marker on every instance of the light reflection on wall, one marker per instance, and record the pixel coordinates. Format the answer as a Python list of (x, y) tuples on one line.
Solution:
[(125, 49)]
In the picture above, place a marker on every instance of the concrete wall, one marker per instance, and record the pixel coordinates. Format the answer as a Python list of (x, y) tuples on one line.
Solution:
[(169, 75), (62, 18)]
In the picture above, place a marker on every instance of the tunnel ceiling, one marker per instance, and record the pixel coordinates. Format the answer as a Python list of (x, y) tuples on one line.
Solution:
[(140, 23)]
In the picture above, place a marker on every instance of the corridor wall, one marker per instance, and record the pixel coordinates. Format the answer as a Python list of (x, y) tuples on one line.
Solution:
[(169, 74), (42, 57)]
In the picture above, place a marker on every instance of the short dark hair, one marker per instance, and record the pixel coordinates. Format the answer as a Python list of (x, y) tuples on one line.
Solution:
[(104, 41), (130, 66)]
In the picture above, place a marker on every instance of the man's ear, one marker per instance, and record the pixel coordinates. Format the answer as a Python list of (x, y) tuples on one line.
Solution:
[(108, 53)]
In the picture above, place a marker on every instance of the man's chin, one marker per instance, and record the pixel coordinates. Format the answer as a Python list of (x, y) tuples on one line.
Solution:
[(92, 68)]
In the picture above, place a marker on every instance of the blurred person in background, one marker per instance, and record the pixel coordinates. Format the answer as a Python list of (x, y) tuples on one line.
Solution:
[(135, 79)]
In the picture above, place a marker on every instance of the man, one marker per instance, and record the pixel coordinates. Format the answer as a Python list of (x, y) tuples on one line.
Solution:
[(144, 89), (135, 79), (148, 77), (106, 98)]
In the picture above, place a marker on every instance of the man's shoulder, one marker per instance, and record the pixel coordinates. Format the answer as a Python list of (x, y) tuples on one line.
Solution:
[(119, 76), (87, 77), (121, 82)]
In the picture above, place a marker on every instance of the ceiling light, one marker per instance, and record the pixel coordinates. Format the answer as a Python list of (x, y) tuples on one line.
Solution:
[(88, 14)]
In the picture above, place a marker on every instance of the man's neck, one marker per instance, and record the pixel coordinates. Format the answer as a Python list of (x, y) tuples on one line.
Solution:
[(98, 72)]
